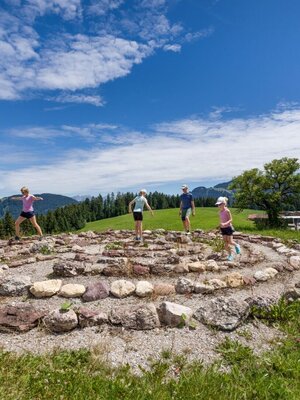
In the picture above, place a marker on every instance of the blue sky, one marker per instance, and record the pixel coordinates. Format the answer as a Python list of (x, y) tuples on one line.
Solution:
[(114, 95)]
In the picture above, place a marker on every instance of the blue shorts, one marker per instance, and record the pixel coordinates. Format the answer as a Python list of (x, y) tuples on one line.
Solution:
[(27, 215), (185, 213)]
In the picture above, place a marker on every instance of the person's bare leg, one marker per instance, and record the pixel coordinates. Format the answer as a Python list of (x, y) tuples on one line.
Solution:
[(36, 225), (136, 225), (18, 222), (140, 229), (187, 224)]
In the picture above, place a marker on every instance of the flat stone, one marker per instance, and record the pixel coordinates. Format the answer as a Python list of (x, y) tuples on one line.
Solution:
[(202, 288), (295, 262), (96, 291), (173, 314), (122, 288), (19, 317), (234, 280), (197, 266), (164, 289), (68, 268), (72, 290), (141, 317), (184, 286), (15, 285), (46, 288), (223, 313), (87, 317), (144, 289), (217, 283), (141, 270)]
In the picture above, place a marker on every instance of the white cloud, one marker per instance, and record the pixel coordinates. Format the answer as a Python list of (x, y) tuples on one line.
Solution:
[(111, 41), (191, 149), (172, 47), (80, 98)]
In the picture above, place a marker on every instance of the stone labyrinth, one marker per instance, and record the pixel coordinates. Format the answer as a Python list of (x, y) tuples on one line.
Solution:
[(71, 282)]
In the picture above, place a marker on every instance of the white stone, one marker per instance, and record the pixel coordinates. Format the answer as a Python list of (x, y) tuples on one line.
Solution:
[(271, 272), (174, 314), (72, 290), (46, 288), (144, 289), (196, 266), (268, 273), (295, 262), (122, 288)]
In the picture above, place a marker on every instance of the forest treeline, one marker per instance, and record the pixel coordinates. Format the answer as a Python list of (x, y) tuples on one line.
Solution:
[(74, 216)]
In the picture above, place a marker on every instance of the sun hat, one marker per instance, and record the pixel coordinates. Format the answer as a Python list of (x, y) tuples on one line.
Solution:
[(184, 186), (143, 191), (221, 200)]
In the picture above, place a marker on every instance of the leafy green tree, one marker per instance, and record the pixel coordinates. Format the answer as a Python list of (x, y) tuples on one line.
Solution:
[(273, 189)]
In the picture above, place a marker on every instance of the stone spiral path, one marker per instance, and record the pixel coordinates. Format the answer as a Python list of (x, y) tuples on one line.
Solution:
[(99, 288)]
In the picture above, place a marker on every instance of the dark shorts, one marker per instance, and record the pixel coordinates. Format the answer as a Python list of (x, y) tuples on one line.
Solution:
[(228, 231), (27, 215), (185, 213), (137, 216)]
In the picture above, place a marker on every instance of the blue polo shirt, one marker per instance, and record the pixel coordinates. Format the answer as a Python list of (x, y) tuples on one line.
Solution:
[(186, 199)]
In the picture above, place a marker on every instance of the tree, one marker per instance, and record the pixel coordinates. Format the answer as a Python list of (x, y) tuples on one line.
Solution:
[(272, 190)]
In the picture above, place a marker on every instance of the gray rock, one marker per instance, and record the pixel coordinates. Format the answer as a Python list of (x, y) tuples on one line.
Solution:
[(184, 285), (202, 288), (68, 268), (96, 291), (142, 317), (14, 285), (223, 313), (61, 321), (291, 293)]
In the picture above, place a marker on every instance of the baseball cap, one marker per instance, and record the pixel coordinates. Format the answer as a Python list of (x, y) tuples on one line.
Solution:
[(221, 200), (143, 191), (184, 187)]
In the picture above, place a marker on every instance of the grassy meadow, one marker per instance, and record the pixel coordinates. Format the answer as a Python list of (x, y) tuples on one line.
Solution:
[(206, 218)]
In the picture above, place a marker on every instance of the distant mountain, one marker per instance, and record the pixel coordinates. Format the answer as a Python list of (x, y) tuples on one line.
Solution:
[(82, 197), (223, 185), (218, 190), (51, 202)]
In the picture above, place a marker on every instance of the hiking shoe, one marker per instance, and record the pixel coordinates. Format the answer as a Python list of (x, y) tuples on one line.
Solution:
[(237, 249), (17, 238), (137, 238), (230, 258)]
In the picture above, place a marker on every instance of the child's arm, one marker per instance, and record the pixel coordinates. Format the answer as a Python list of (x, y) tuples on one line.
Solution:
[(180, 208), (193, 207), (149, 208), (130, 206), (15, 198), (35, 198)]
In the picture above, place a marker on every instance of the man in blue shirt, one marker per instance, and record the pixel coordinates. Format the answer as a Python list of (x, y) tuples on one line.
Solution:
[(187, 206)]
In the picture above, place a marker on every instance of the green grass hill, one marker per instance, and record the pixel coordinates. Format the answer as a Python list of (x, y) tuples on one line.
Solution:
[(206, 218)]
